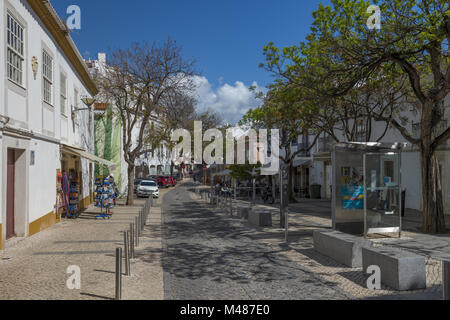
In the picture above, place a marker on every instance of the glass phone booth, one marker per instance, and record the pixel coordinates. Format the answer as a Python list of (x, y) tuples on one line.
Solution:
[(367, 192), (382, 201)]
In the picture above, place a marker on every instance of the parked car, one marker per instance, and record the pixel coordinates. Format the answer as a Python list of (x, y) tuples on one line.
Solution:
[(148, 188), (173, 181), (136, 184), (163, 182)]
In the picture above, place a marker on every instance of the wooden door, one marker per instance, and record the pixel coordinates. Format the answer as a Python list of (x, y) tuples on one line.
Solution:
[(10, 190)]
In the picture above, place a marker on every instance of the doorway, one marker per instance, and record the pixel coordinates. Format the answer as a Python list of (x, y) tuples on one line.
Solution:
[(10, 194)]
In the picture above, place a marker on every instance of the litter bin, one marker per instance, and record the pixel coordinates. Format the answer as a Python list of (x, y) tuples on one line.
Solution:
[(403, 202), (316, 191)]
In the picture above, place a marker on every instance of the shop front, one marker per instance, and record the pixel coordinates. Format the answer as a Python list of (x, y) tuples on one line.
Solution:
[(75, 180)]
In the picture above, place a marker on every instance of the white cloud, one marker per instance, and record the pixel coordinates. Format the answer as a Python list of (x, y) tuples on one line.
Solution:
[(230, 101)]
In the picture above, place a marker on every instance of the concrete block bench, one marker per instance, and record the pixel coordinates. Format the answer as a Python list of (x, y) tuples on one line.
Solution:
[(260, 218), (243, 212), (400, 270), (341, 247)]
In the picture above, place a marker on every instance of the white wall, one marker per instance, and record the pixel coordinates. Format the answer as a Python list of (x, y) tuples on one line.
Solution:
[(411, 179), (27, 111), (42, 179)]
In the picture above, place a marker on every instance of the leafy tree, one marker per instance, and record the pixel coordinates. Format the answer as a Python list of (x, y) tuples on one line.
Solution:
[(342, 54), (283, 109)]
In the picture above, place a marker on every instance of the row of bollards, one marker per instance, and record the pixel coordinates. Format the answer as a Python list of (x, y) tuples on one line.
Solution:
[(130, 242)]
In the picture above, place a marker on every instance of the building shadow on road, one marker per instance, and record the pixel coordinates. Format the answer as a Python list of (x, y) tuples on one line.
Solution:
[(202, 243)]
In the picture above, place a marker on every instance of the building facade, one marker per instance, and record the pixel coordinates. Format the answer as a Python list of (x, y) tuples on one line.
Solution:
[(108, 134), (43, 132)]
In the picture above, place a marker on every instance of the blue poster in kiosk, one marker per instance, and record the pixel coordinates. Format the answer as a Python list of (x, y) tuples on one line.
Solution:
[(352, 197)]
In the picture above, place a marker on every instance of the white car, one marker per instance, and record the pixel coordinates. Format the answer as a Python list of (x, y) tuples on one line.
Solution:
[(147, 188)]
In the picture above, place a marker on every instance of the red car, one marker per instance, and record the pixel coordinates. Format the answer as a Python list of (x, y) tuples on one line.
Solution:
[(173, 180), (166, 181)]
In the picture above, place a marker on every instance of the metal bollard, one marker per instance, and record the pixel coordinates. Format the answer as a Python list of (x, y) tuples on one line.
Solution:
[(126, 245), (446, 280), (137, 231), (118, 273), (132, 240), (231, 206)]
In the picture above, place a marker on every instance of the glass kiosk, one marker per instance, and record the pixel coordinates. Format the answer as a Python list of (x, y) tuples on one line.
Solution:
[(367, 192)]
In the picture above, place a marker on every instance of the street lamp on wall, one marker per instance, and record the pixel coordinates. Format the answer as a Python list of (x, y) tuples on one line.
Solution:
[(88, 102)]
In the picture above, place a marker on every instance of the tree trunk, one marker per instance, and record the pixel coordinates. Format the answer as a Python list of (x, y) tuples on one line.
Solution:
[(291, 194), (130, 195), (433, 205)]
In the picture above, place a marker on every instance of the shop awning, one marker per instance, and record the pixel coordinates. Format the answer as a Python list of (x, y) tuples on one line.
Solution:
[(89, 156)]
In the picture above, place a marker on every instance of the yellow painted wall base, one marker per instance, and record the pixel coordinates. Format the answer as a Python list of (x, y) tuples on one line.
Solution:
[(42, 223), (85, 203)]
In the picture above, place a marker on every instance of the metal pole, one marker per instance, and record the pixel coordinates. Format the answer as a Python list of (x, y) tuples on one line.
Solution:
[(132, 240), (446, 279), (118, 273), (286, 214), (254, 193), (126, 245), (137, 230)]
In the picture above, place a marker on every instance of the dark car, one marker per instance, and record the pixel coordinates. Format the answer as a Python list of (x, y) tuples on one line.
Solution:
[(136, 184)]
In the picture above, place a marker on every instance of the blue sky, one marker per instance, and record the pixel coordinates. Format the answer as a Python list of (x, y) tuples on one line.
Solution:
[(224, 37)]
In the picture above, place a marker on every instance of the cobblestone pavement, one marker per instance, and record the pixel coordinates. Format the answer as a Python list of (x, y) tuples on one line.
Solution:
[(35, 268), (315, 215), (208, 255)]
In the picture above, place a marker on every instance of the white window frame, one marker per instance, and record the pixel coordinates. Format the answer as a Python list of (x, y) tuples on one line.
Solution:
[(15, 43), (47, 77), (63, 93)]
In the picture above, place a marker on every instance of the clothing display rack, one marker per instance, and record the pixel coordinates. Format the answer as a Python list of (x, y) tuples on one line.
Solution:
[(104, 199)]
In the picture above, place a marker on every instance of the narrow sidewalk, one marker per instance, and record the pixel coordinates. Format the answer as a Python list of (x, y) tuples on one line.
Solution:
[(36, 268)]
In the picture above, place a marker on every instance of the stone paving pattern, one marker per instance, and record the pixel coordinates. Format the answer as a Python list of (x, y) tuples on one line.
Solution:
[(192, 250), (210, 256), (35, 268), (310, 215)]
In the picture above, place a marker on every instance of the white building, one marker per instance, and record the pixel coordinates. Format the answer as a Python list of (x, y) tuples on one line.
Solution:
[(157, 162), (44, 81)]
